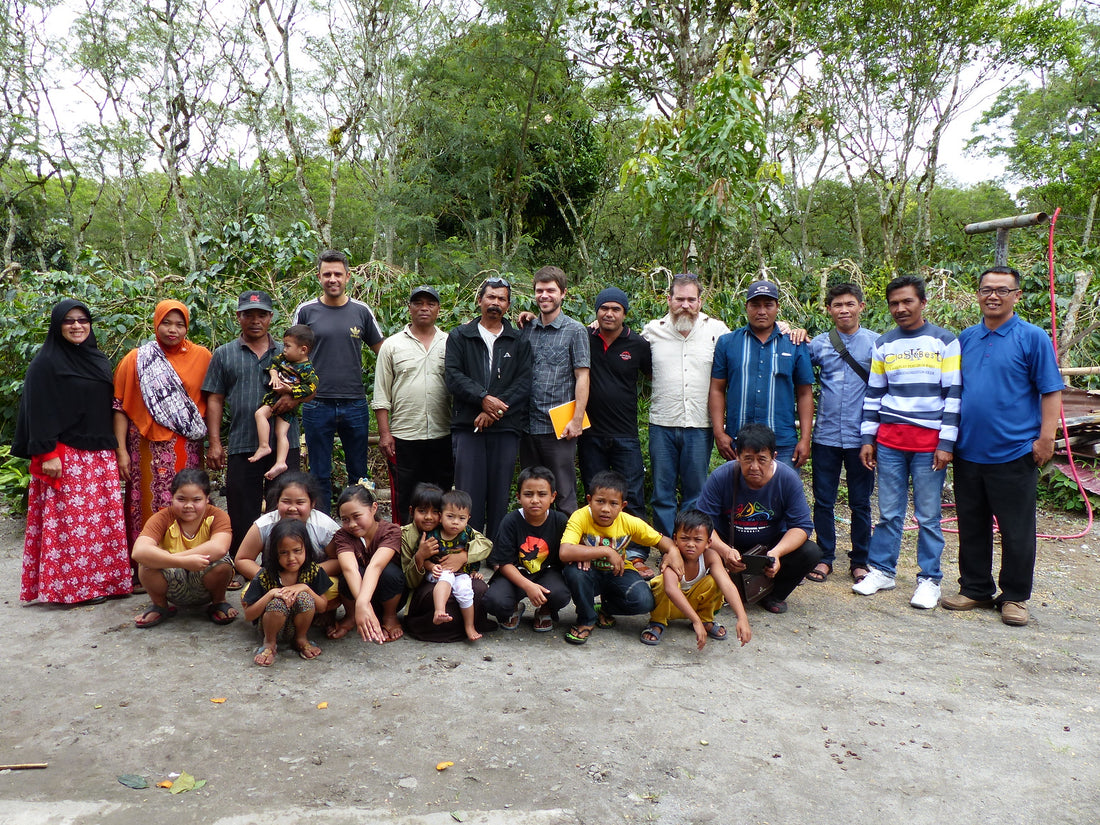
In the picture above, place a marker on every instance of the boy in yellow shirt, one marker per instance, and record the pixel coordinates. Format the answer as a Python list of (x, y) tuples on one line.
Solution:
[(593, 552)]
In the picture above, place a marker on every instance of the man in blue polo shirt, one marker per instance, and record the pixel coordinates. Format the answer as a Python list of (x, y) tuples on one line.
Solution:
[(1011, 397), (760, 377)]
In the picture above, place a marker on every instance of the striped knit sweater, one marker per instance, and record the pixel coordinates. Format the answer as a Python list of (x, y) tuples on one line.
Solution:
[(916, 380)]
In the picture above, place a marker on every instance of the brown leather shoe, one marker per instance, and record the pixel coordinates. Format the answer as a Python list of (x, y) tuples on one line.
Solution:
[(961, 602), (1014, 613)]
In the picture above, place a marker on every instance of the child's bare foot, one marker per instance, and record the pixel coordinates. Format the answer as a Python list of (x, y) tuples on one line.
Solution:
[(392, 630), (339, 630), (266, 657), (276, 470), (306, 649), (472, 634), (261, 451), (442, 617)]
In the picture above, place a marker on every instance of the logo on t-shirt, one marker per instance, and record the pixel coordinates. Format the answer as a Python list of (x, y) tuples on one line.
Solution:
[(533, 553), (618, 543), (624, 355)]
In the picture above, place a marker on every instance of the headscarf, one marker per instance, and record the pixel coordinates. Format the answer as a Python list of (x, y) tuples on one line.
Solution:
[(188, 359), (66, 394)]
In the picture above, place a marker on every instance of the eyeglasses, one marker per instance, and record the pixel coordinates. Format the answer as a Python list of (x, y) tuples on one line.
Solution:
[(999, 291), (75, 322), (496, 281)]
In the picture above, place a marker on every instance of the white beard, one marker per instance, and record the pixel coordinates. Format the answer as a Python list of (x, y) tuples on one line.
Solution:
[(684, 323)]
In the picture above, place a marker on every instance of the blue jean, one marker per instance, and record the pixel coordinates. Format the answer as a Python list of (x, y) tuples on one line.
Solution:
[(597, 453), (625, 595), (827, 463), (323, 420), (895, 469), (677, 455)]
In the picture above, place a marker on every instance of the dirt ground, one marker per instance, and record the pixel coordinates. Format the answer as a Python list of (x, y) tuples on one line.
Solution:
[(844, 709)]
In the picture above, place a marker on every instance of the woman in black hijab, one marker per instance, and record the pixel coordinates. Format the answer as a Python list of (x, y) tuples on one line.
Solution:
[(75, 548)]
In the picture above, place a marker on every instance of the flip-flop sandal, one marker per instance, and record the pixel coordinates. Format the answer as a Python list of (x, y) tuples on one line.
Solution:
[(604, 621), (578, 634), (235, 583), (861, 576), (310, 647), (514, 619), (656, 631), (716, 631), (221, 607), (544, 622), (260, 651), (161, 613), (818, 576)]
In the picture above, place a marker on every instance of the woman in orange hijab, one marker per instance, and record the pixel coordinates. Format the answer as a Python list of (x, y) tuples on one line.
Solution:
[(159, 414)]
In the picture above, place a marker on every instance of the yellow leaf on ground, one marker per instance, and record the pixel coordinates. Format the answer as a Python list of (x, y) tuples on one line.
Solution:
[(219, 701), (322, 705), (442, 766)]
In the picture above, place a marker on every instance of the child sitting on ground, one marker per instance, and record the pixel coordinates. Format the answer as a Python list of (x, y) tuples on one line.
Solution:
[(287, 593), (454, 536), (593, 548), (291, 374), (525, 556), (698, 594), (183, 554), (371, 582)]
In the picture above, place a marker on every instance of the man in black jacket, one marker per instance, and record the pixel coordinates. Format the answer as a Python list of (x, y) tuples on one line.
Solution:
[(488, 373)]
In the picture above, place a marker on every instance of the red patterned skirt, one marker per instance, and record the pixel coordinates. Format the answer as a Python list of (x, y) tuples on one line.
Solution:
[(75, 548)]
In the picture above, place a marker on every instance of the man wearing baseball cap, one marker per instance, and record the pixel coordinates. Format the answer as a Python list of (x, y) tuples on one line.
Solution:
[(760, 377), (237, 375), (412, 405)]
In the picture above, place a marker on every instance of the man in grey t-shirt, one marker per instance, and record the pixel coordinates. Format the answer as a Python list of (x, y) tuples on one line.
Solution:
[(341, 325)]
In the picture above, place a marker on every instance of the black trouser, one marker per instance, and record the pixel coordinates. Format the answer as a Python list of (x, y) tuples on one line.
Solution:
[(793, 567), (429, 461), (245, 487), (1007, 492)]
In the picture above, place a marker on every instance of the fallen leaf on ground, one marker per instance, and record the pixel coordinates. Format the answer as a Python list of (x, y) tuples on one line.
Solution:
[(167, 783), (442, 766), (322, 705), (132, 780), (186, 782), (219, 701)]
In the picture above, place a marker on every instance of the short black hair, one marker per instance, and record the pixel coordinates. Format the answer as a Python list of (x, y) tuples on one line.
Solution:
[(459, 499), (301, 335), (608, 480), (688, 520), (902, 281), (836, 290), (332, 256), (1001, 270), (755, 437), (191, 475), (426, 495), (496, 282), (540, 472)]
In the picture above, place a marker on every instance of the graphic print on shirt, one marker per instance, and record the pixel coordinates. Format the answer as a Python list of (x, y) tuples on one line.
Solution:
[(533, 553), (751, 519), (618, 543)]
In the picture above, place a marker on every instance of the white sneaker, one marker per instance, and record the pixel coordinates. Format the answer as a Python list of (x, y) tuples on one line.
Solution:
[(875, 581), (927, 594)]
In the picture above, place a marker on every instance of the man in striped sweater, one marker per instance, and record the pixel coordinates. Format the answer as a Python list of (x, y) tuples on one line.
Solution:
[(910, 423)]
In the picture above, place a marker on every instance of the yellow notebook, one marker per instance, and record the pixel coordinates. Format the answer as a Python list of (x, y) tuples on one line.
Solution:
[(562, 414)]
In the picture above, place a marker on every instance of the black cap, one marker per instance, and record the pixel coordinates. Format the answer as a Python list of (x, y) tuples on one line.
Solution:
[(762, 289), (424, 290), (254, 300)]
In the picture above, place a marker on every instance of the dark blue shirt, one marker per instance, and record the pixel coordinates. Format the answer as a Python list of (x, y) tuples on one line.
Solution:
[(760, 381), (755, 516)]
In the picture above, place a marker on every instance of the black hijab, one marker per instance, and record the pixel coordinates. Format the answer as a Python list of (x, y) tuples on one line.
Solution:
[(67, 394)]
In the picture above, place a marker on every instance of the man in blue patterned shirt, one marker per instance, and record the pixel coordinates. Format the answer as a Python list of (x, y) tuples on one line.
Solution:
[(561, 357), (843, 359)]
